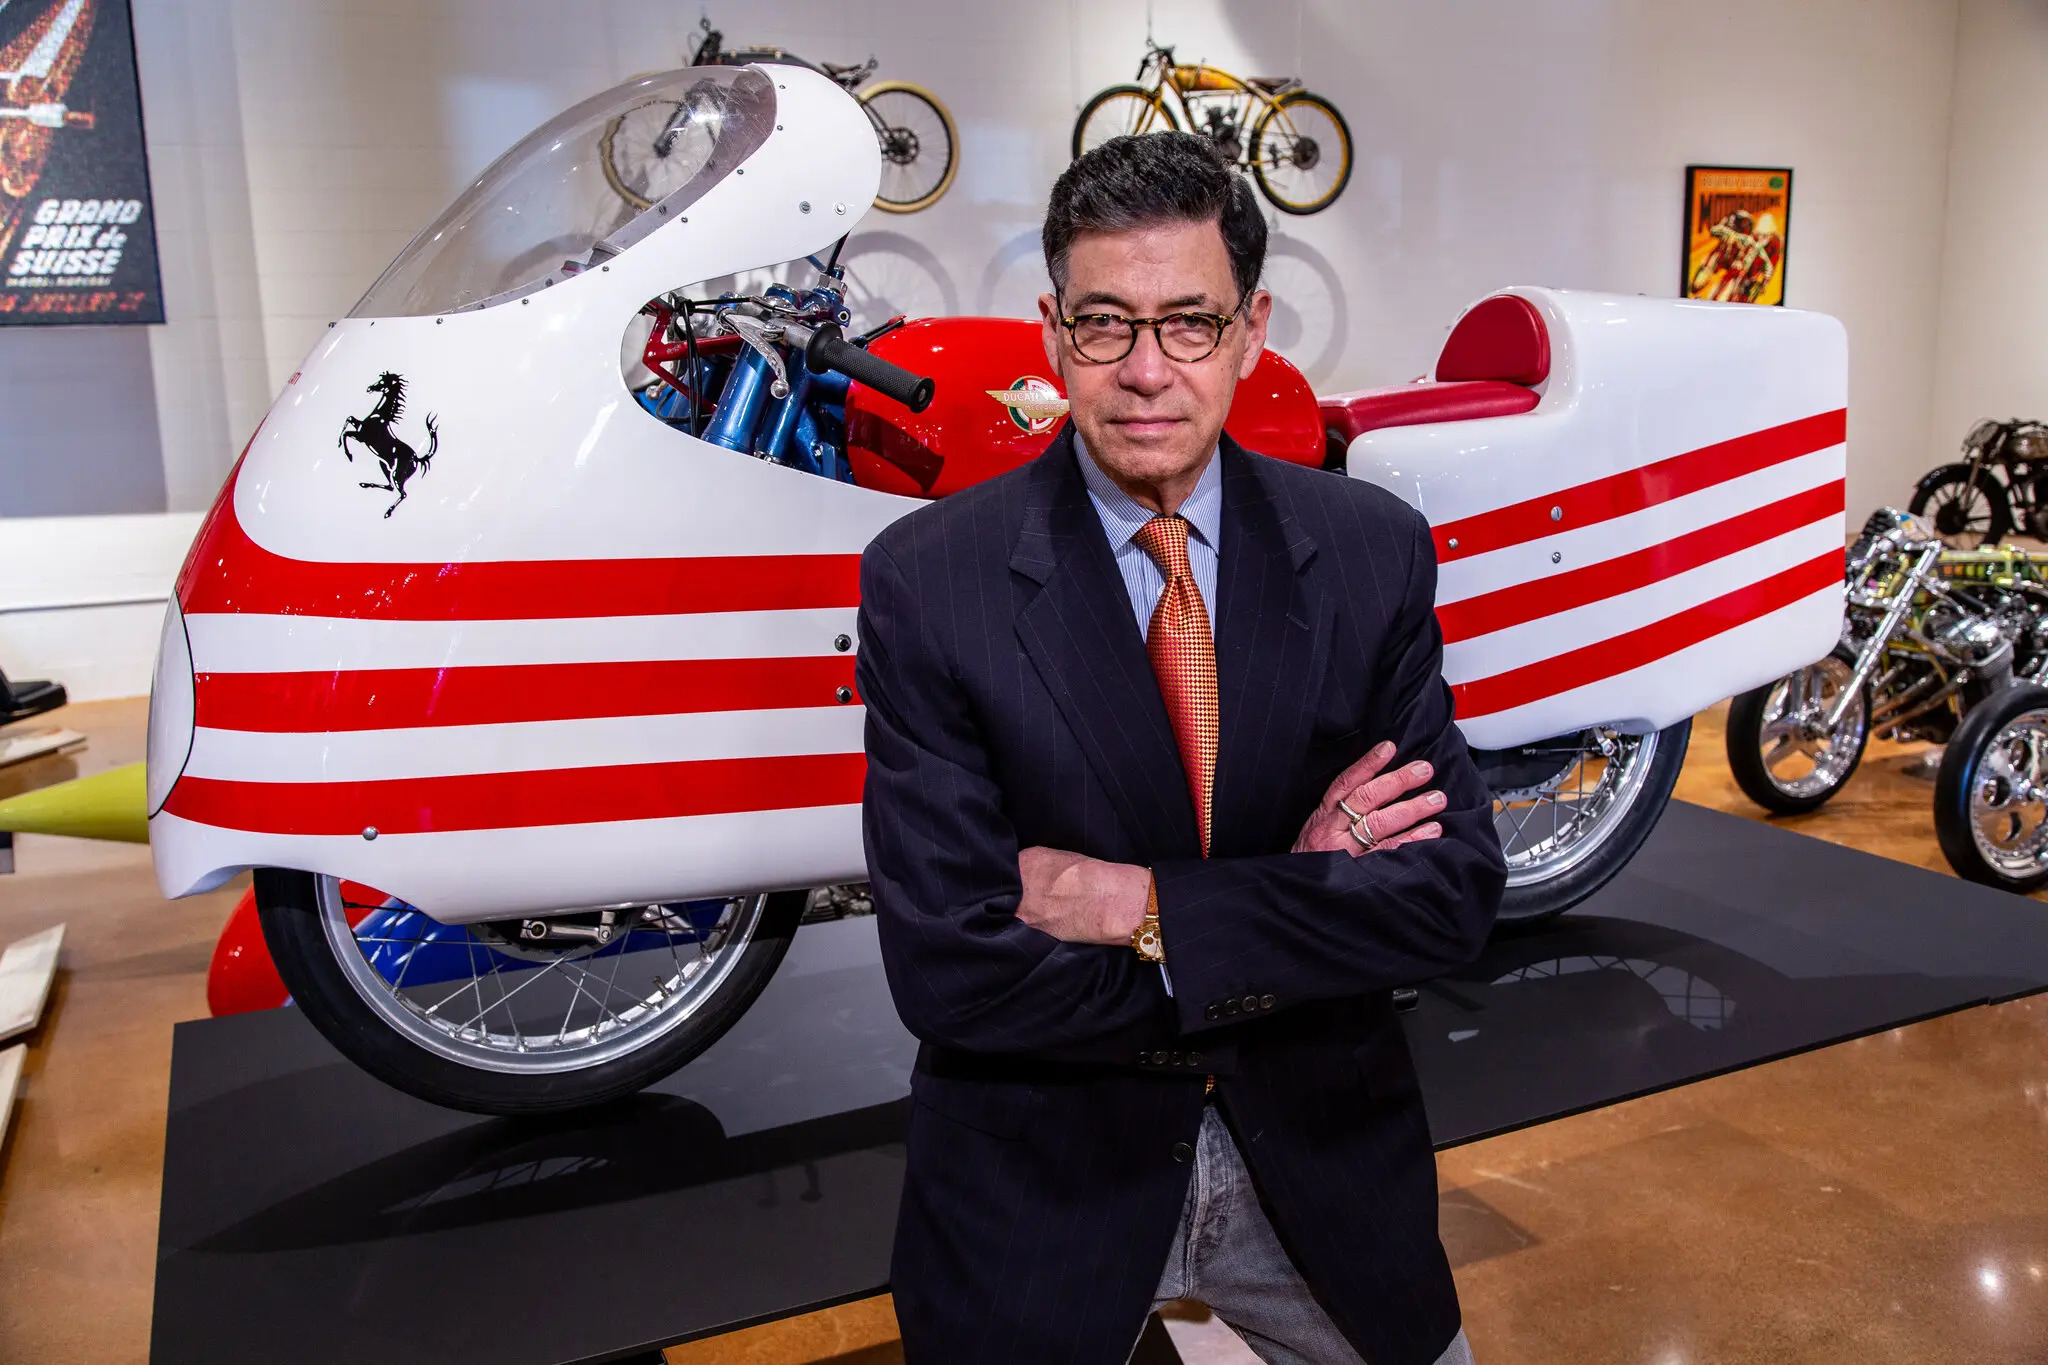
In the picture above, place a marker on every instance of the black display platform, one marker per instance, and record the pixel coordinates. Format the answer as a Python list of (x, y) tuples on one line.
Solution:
[(312, 1214)]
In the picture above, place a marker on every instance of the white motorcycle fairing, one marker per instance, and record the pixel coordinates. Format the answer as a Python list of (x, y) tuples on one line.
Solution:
[(586, 659), (470, 626), (1663, 529)]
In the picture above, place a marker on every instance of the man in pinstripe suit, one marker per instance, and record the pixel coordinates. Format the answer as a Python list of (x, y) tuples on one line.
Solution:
[(1164, 798)]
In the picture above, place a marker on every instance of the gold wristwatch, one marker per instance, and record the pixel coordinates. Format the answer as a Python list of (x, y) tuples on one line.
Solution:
[(1145, 938)]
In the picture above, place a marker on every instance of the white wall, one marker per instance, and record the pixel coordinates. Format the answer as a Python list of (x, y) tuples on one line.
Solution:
[(297, 144), (1499, 141), (1993, 336)]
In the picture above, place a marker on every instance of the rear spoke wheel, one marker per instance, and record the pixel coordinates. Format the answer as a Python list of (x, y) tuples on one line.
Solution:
[(1301, 153), (920, 145)]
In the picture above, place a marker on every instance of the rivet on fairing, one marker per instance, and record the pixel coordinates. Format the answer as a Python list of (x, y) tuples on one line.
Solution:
[(369, 831), (842, 643), (803, 206), (845, 694), (1454, 542), (1556, 557), (1557, 514), (839, 208)]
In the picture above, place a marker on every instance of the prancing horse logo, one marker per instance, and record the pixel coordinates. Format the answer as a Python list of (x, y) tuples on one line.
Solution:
[(373, 432)]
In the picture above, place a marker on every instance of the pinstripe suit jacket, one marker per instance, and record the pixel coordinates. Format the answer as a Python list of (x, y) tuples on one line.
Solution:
[(1011, 703)]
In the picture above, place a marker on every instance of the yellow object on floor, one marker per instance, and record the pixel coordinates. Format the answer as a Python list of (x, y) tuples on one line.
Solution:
[(109, 805)]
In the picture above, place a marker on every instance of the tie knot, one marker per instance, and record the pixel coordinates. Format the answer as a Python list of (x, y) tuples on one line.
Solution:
[(1166, 540)]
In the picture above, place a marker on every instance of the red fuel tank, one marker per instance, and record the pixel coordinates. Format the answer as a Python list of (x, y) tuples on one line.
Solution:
[(984, 419)]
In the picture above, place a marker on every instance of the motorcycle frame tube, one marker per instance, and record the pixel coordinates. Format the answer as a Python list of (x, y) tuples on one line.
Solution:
[(1637, 387), (544, 460), (1895, 612)]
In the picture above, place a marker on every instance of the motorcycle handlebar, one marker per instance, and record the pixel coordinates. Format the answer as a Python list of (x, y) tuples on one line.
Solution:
[(827, 351)]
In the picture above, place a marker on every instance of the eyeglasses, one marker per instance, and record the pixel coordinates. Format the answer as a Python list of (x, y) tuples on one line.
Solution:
[(1106, 338)]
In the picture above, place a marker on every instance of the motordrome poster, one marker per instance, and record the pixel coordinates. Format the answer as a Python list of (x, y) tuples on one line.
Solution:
[(77, 235), (1737, 219)]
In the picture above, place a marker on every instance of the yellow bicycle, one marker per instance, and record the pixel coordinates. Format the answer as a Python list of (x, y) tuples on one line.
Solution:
[(1298, 148)]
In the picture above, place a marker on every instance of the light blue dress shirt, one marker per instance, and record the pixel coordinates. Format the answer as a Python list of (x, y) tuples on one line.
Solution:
[(1122, 516)]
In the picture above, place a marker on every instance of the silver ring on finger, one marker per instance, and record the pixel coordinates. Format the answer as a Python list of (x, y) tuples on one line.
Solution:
[(1350, 813), (1363, 833)]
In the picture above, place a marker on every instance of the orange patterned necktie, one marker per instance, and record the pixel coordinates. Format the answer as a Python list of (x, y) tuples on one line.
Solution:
[(1184, 658)]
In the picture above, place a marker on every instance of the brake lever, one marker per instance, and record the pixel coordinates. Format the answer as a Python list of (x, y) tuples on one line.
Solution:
[(762, 337)]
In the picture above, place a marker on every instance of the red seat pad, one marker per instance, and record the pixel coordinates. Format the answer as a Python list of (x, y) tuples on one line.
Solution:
[(1407, 405), (1499, 338)]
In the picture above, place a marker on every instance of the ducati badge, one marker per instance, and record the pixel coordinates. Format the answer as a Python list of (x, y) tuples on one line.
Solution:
[(373, 433), (1034, 404)]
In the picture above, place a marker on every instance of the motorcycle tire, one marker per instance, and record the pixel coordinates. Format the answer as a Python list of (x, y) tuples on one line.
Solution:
[(1962, 535), (1620, 834), (1990, 831), (290, 907), (1746, 720)]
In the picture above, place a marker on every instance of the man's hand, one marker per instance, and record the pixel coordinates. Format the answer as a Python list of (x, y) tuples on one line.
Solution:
[(1391, 820), (1081, 900)]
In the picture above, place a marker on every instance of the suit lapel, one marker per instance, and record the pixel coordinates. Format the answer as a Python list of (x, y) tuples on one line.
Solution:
[(1272, 635), (1080, 635)]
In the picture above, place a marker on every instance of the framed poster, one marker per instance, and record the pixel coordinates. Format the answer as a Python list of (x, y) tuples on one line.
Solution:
[(77, 235), (1737, 219)]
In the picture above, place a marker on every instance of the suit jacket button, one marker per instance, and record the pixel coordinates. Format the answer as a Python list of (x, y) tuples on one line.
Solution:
[(1159, 1059), (1182, 1152), (1144, 1059), (1265, 1002), (1251, 1002), (1230, 1007), (1211, 1013), (1194, 1059)]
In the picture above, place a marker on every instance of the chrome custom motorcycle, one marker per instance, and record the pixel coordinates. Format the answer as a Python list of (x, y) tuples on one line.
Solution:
[(1929, 634)]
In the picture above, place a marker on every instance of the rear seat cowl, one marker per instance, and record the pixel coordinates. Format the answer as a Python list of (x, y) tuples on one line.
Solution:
[(1502, 338)]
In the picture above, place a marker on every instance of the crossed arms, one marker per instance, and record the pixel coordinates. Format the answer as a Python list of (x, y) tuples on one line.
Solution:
[(992, 947)]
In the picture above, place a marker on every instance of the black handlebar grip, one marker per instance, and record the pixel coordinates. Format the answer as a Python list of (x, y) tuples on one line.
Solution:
[(827, 351)]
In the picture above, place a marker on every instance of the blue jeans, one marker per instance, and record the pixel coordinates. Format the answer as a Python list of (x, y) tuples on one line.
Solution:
[(1227, 1256)]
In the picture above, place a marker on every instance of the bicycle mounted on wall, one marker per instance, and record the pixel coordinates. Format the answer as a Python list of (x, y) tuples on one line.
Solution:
[(1293, 143), (920, 142)]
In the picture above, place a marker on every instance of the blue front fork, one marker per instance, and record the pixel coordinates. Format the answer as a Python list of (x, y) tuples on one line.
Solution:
[(751, 419)]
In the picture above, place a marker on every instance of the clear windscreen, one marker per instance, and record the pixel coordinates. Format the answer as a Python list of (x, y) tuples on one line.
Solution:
[(585, 179)]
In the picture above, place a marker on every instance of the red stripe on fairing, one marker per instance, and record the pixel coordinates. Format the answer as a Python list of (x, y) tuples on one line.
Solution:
[(1647, 644), (1524, 602), (228, 572), (1632, 490), (407, 698), (554, 796)]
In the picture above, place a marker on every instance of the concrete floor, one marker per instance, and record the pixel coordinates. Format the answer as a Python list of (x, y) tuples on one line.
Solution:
[(1886, 1199)]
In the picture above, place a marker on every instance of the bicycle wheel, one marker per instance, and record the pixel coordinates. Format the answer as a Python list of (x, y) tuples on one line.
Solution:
[(652, 149), (920, 145), (1120, 111), (1301, 153)]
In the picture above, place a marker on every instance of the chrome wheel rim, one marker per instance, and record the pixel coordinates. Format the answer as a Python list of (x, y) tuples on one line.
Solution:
[(480, 996), (2009, 798), (1801, 756), (1549, 829)]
